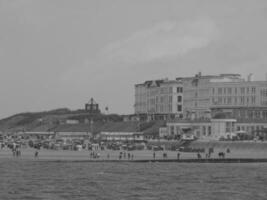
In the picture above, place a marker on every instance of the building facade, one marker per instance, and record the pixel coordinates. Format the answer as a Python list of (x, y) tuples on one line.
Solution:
[(122, 136), (214, 129), (203, 97), (159, 99), (240, 100)]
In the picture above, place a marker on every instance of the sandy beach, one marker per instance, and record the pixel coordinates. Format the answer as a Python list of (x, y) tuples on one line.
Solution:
[(66, 155)]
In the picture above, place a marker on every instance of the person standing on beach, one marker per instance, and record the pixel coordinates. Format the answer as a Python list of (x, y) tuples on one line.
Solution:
[(36, 154), (178, 156), (154, 155), (132, 156)]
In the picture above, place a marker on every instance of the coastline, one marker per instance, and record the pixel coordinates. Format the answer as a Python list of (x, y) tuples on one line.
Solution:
[(235, 156)]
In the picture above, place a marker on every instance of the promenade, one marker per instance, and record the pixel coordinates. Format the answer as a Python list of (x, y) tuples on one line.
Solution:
[(138, 156)]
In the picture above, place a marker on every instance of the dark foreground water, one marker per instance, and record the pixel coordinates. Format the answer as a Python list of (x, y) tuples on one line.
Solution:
[(52, 180)]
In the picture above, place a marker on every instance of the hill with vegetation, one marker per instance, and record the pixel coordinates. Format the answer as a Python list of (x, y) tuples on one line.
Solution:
[(55, 120)]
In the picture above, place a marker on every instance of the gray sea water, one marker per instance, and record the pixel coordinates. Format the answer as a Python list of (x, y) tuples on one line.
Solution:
[(21, 179)]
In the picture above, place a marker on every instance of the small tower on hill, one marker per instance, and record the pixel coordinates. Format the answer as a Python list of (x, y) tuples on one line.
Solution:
[(92, 107)]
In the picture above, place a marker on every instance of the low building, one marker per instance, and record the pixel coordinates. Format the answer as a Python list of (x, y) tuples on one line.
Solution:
[(223, 128), (198, 128), (69, 136), (214, 129), (72, 121), (37, 135), (122, 136)]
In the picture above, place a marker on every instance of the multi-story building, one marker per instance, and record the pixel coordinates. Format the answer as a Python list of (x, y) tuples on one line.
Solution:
[(159, 99), (197, 99), (240, 100), (203, 97)]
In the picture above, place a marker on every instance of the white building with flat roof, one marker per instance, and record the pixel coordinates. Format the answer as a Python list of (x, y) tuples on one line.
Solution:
[(202, 97)]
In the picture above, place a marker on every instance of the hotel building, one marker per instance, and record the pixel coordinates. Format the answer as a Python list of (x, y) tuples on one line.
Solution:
[(199, 101), (203, 97)]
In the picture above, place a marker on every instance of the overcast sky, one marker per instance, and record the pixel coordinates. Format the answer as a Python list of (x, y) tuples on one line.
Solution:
[(60, 53)]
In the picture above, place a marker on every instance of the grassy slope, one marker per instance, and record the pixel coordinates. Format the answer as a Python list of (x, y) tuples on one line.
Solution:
[(51, 122)]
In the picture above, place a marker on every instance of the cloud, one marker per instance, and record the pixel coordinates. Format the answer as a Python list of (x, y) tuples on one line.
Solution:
[(161, 42), (165, 40)]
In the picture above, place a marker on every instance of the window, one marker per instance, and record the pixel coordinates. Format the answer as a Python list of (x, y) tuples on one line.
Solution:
[(213, 101), (257, 114), (172, 130), (204, 130), (253, 90), (170, 108), (229, 100), (247, 90), (253, 99), (179, 108), (242, 100), (229, 90), (219, 90), (209, 130), (242, 90), (170, 99), (220, 100), (179, 90), (170, 89), (235, 90), (213, 90), (224, 90), (179, 99)]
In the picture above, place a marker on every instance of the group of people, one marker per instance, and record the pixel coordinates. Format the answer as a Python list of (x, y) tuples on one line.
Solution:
[(165, 155), (94, 154), (208, 155), (124, 155), (16, 152)]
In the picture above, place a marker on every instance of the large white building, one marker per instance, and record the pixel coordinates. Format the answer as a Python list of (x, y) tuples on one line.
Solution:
[(202, 97)]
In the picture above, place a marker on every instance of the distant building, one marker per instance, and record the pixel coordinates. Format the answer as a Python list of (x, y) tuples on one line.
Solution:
[(69, 136), (72, 121), (92, 107), (202, 97), (122, 136)]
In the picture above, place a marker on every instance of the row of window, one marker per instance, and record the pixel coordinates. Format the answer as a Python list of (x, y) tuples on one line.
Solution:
[(249, 128), (242, 90), (164, 108), (234, 100), (264, 92), (250, 114), (162, 90)]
